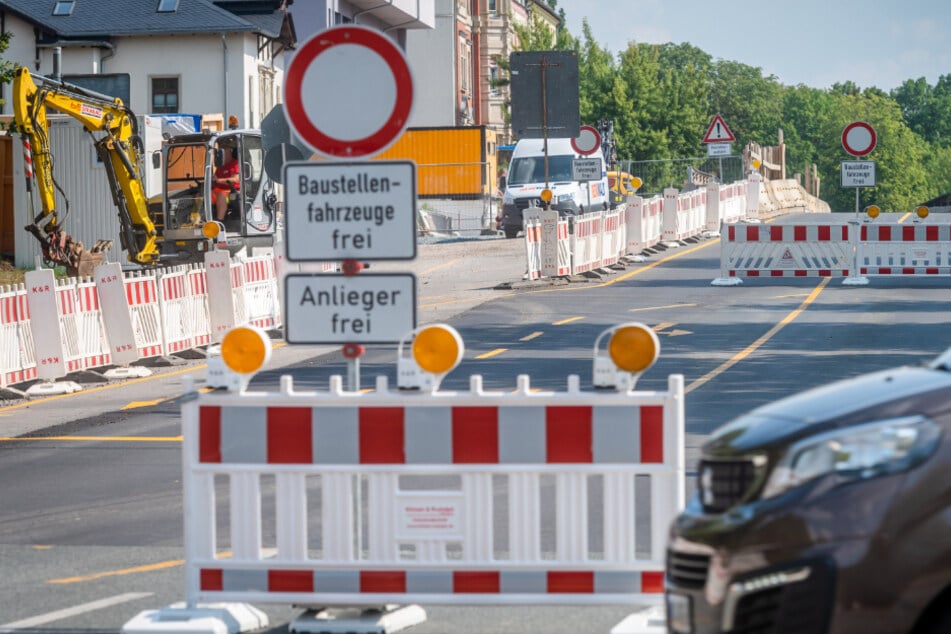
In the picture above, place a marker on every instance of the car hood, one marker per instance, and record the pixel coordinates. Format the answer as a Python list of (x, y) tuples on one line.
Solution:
[(885, 394)]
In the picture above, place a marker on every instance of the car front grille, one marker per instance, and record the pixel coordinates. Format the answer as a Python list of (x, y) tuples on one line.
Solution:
[(687, 570), (722, 484), (525, 203)]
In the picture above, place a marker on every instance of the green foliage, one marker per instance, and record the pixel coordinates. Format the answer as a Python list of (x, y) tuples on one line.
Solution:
[(662, 98)]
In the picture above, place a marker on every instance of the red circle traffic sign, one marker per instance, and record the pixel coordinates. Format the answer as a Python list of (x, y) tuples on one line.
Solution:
[(588, 140), (858, 138), (348, 92)]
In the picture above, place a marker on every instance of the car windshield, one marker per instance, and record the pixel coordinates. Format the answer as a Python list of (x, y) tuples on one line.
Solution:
[(531, 169)]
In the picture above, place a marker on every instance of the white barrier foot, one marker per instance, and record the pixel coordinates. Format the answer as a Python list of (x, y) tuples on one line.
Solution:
[(51, 388), (649, 621), (855, 281), (127, 372), (726, 281), (392, 618), (206, 618)]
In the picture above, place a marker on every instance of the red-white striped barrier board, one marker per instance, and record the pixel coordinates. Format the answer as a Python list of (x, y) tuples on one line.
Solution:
[(756, 250), (483, 586), (94, 349), (532, 227), (586, 242), (175, 305), (142, 295), (260, 293), (68, 311), (643, 219), (434, 478), (899, 250), (198, 313), (611, 238), (17, 359)]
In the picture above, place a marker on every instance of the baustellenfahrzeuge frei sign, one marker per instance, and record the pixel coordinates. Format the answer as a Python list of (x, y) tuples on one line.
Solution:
[(858, 173), (362, 210)]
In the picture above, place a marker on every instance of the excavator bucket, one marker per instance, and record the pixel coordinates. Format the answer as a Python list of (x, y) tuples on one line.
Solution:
[(85, 261)]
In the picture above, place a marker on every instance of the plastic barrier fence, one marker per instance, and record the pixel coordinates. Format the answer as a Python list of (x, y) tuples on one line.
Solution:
[(395, 497), (613, 237), (643, 218), (586, 242), (93, 347), (915, 249), (17, 360), (260, 293), (784, 251), (532, 221), (142, 295)]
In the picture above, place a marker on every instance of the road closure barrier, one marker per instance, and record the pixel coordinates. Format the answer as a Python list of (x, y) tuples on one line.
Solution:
[(396, 497), (851, 250)]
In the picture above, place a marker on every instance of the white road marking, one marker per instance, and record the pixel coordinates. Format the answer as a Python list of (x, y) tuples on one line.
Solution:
[(65, 613)]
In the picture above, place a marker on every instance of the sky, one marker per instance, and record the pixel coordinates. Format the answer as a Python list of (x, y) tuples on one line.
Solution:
[(813, 42)]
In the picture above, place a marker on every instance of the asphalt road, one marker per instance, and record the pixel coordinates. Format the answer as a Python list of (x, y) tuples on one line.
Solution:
[(90, 510)]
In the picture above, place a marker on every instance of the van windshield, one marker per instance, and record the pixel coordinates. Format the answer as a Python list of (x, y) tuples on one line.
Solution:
[(531, 169)]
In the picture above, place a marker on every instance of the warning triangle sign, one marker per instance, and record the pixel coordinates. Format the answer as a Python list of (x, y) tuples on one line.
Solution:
[(718, 132)]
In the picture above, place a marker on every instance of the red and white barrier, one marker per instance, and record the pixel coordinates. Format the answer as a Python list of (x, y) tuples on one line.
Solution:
[(260, 293), (333, 454), (756, 250), (532, 227), (175, 303), (915, 249), (586, 242), (643, 218), (93, 347), (17, 358), (142, 295)]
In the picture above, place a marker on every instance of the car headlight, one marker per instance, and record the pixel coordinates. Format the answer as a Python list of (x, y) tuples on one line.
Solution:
[(566, 198), (864, 451)]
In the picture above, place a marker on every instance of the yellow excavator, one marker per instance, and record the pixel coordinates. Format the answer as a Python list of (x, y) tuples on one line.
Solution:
[(115, 134), (167, 229)]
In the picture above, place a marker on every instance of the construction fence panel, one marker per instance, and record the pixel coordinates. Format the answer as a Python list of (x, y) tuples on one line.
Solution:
[(17, 357), (915, 249), (334, 498)]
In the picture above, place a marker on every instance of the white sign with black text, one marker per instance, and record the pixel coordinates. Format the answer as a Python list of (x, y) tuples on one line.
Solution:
[(587, 169), (858, 173), (362, 210), (365, 308), (719, 149)]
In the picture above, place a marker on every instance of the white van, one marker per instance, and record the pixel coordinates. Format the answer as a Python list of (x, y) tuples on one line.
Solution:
[(526, 180)]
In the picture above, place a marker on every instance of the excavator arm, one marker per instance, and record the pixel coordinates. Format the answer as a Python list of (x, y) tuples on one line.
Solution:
[(114, 130)]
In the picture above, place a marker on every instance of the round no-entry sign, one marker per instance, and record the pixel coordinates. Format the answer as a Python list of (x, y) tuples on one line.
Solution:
[(588, 140), (858, 138), (348, 92)]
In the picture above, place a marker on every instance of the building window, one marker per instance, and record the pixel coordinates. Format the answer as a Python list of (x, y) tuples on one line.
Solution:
[(64, 7), (493, 7), (167, 6), (165, 95)]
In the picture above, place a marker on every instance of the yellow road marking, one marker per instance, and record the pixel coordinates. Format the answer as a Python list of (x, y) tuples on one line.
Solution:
[(95, 438), (638, 310), (567, 321), (661, 326), (491, 353), (118, 573), (137, 404), (753, 347), (534, 335), (439, 266), (162, 565)]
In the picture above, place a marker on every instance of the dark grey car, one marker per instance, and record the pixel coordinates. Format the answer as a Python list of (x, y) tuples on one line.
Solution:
[(828, 511)]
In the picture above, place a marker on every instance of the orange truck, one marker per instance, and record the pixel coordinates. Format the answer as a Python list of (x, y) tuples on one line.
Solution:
[(459, 163)]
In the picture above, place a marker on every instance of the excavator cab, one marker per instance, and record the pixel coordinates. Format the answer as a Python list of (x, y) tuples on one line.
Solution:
[(189, 175)]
